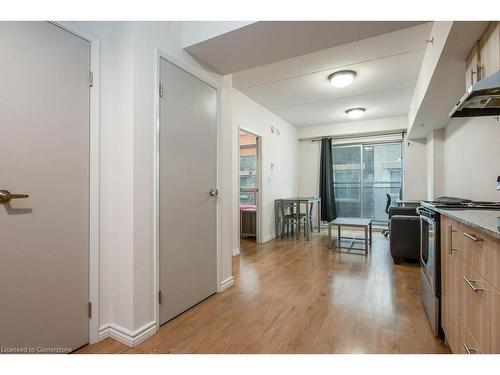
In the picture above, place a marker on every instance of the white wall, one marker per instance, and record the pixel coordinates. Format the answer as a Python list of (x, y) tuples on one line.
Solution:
[(128, 71), (472, 158), (435, 164), (309, 158), (281, 150), (415, 171)]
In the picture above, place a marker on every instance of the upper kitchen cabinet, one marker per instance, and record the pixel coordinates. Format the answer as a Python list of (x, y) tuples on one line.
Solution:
[(473, 66), (489, 50)]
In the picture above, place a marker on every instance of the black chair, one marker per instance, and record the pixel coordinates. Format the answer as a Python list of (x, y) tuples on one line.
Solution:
[(385, 232), (404, 224)]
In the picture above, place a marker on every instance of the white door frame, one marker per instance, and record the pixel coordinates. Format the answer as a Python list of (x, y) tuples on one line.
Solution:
[(159, 54), (94, 174), (259, 139)]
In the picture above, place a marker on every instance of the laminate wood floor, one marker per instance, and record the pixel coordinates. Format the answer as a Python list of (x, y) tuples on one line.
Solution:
[(293, 296)]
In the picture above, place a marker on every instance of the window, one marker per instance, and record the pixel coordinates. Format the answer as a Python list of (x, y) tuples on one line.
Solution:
[(248, 175), (363, 175), (347, 180)]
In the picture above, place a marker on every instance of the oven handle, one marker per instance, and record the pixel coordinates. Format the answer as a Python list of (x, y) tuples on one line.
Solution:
[(427, 219)]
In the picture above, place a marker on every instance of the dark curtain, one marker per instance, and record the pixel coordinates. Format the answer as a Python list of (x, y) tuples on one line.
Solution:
[(326, 191)]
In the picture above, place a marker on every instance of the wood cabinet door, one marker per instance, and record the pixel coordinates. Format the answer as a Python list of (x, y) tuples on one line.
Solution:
[(482, 252), (477, 296), (445, 287), (472, 71), (495, 322), (468, 344), (489, 49), (450, 282)]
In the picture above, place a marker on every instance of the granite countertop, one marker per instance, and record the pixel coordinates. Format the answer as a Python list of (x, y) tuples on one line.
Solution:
[(487, 221)]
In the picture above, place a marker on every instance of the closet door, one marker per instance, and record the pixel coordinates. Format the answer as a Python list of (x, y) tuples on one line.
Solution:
[(44, 153), (188, 190)]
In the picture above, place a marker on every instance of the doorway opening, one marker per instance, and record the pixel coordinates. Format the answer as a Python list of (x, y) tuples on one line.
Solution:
[(250, 201)]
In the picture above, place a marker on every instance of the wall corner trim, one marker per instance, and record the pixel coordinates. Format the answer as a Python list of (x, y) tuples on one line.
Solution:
[(125, 336), (236, 252), (226, 284)]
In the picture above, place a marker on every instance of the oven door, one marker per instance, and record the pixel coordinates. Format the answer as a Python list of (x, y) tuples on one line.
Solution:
[(428, 272), (428, 248)]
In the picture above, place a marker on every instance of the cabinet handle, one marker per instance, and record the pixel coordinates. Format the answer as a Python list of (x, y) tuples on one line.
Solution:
[(473, 237), (480, 72), (471, 284), (469, 350), (472, 73), (451, 239)]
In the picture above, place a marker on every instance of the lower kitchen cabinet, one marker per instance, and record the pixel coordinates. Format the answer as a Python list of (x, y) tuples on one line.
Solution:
[(450, 282), (476, 304), (495, 323), (470, 312)]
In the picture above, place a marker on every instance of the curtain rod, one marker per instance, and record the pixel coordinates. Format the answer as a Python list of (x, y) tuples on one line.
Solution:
[(353, 136)]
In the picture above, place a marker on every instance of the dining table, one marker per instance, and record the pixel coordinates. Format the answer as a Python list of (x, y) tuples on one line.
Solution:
[(299, 201)]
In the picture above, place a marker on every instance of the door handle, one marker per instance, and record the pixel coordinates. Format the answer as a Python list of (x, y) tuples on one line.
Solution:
[(6, 196), (214, 192)]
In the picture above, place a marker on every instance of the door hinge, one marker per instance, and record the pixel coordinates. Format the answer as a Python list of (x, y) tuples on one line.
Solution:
[(91, 79), (159, 297), (90, 309), (161, 91)]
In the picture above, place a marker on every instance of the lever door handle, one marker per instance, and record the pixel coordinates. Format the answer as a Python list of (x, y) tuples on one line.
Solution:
[(6, 196)]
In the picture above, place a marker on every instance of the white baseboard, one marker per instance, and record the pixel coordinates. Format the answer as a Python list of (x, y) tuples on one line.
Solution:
[(228, 283), (236, 252), (125, 336), (269, 237)]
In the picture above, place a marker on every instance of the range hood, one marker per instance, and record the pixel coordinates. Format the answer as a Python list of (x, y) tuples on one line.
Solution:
[(481, 99)]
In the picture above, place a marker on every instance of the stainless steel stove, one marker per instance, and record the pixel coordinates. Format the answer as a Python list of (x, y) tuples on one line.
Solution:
[(459, 203)]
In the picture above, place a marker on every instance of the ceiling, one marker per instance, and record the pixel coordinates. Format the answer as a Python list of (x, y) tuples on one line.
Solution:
[(265, 42), (298, 90)]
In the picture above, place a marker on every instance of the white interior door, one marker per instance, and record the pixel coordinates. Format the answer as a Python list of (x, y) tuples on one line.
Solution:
[(188, 172), (44, 152)]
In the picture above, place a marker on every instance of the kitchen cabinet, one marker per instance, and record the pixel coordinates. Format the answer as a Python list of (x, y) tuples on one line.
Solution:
[(495, 324), (469, 344), (472, 69), (489, 50), (450, 282), (476, 303), (484, 58), (470, 296)]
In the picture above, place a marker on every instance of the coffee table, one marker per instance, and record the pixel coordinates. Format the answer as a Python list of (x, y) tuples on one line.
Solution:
[(351, 222)]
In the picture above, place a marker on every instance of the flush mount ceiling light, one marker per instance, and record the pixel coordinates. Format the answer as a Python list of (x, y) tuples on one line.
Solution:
[(342, 78), (355, 112)]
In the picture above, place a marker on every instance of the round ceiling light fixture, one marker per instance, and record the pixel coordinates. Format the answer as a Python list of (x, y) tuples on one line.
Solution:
[(355, 112), (342, 78)]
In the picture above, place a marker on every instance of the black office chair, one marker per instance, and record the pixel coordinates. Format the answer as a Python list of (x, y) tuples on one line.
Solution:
[(385, 232)]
